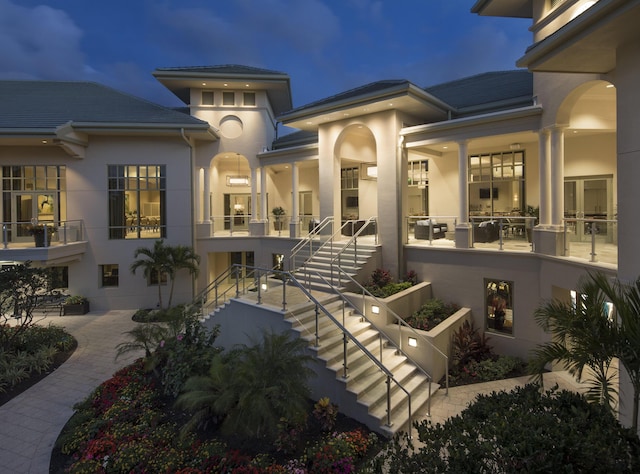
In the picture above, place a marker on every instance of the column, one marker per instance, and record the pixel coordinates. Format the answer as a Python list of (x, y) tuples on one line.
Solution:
[(263, 194), (254, 195), (556, 178), (197, 194), (206, 199), (463, 187), (544, 151), (463, 228), (294, 225)]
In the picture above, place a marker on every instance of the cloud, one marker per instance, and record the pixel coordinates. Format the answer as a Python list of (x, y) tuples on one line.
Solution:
[(39, 43)]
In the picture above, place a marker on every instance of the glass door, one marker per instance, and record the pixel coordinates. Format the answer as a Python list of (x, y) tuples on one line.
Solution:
[(28, 207), (589, 198)]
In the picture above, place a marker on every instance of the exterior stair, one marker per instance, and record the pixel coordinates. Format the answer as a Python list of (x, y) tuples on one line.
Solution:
[(351, 260), (365, 387)]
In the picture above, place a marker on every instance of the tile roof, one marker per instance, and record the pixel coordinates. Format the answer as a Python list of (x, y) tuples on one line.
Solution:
[(49, 104), (486, 89)]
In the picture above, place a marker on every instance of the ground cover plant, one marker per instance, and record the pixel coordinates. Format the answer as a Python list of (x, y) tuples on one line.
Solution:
[(524, 430), (186, 407), (473, 359), (430, 314)]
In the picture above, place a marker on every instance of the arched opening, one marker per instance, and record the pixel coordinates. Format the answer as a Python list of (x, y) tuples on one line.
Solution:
[(355, 153)]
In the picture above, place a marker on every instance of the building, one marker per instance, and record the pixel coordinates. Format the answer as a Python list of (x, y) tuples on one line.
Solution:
[(511, 183)]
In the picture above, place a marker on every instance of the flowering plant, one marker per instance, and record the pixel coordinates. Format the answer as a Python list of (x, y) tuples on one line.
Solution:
[(36, 228)]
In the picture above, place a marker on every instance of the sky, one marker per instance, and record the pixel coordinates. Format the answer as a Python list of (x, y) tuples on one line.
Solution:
[(325, 46)]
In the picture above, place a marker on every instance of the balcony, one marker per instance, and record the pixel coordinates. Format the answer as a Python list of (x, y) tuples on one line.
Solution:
[(585, 240), (46, 243)]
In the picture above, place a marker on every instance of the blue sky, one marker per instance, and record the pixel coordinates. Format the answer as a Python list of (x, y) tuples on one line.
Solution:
[(326, 46)]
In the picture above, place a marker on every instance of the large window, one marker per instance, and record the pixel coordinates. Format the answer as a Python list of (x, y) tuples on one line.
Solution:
[(137, 201), (32, 193), (496, 183)]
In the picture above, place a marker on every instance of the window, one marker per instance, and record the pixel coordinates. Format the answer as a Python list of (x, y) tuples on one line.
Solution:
[(32, 192), (207, 97), (499, 306), (228, 98), (109, 275), (137, 201), (496, 183), (249, 99)]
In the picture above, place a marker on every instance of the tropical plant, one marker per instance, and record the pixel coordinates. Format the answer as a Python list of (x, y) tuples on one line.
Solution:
[(75, 299), (254, 387), (519, 431), (587, 334), (325, 413), (430, 314), (154, 261)]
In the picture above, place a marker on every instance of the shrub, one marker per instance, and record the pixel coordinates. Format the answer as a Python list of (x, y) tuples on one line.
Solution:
[(430, 314), (381, 285), (325, 413), (519, 431)]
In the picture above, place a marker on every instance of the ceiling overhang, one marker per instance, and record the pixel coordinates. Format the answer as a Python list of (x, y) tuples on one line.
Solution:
[(504, 8), (277, 86), (407, 99), (588, 43)]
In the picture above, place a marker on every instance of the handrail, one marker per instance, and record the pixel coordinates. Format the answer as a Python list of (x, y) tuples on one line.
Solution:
[(315, 232), (353, 240), (364, 350), (592, 231), (529, 223), (11, 229), (401, 322), (286, 276)]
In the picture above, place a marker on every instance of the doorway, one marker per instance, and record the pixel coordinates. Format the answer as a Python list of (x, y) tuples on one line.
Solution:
[(590, 197), (31, 206)]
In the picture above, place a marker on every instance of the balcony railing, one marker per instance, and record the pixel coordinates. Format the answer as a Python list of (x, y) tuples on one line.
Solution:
[(238, 225), (595, 239), (41, 234)]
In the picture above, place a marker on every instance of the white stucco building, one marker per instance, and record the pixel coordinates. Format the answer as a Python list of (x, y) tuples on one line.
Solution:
[(560, 135)]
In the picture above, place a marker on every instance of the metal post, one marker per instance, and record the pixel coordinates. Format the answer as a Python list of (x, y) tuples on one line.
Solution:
[(284, 291), (388, 400), (237, 283), (345, 341), (259, 288), (317, 326), (593, 241), (5, 235), (500, 233)]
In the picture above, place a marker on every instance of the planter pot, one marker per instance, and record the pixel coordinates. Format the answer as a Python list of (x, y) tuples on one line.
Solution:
[(278, 225), (71, 309), (38, 238)]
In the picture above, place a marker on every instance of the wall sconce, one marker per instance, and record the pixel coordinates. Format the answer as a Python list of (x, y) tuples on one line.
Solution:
[(375, 309), (413, 342), (515, 146)]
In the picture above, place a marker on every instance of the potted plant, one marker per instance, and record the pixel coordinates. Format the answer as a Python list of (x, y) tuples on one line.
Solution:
[(75, 305), (38, 230), (278, 213), (499, 311)]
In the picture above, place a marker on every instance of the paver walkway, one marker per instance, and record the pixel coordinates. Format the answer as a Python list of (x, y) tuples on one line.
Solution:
[(31, 422)]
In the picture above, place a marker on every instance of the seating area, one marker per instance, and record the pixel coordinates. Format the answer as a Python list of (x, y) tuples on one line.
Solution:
[(422, 229), (486, 231), (350, 228)]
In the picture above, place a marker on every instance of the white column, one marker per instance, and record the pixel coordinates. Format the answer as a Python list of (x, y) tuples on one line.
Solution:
[(254, 195), (263, 194), (206, 198), (294, 225), (556, 178), (198, 194), (544, 152), (463, 187)]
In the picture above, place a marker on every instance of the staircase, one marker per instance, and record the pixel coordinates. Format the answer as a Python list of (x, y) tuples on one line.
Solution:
[(352, 259), (364, 384)]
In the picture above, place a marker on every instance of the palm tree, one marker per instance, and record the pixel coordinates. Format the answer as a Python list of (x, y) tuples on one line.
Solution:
[(587, 334), (156, 261), (254, 387), (181, 257)]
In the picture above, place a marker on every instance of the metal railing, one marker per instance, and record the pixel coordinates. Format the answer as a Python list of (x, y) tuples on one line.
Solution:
[(239, 274), (436, 227), (497, 228), (337, 260), (590, 231), (314, 237), (397, 319), (41, 233)]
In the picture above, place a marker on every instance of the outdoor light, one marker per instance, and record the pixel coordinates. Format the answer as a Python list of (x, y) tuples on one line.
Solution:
[(372, 171), (263, 287), (237, 181), (375, 309), (413, 342)]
